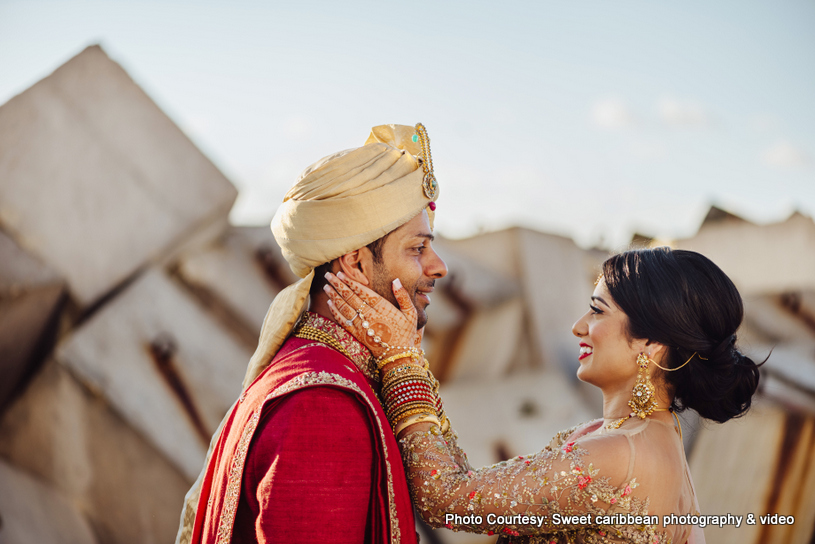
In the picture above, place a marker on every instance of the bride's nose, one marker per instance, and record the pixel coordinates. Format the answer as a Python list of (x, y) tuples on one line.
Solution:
[(580, 327)]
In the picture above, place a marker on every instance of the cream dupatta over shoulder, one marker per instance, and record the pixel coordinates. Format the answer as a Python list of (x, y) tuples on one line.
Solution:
[(639, 469)]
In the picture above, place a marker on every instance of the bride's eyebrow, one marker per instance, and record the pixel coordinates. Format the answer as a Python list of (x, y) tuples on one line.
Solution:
[(601, 300)]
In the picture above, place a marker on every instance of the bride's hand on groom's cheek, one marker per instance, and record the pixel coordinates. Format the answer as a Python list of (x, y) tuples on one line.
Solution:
[(371, 319)]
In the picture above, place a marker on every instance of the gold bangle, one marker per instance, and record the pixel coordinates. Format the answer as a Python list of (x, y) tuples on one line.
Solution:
[(403, 368), (412, 420), (417, 373), (394, 413), (402, 379), (403, 409), (426, 409), (390, 379), (414, 349), (403, 355), (404, 371), (391, 410), (415, 353)]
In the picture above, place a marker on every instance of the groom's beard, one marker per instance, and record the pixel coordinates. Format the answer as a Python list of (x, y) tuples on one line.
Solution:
[(382, 284)]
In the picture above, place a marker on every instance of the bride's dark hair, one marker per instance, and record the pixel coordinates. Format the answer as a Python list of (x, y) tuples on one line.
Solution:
[(682, 300)]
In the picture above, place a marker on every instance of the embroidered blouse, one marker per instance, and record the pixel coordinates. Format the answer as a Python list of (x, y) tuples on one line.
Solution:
[(589, 485)]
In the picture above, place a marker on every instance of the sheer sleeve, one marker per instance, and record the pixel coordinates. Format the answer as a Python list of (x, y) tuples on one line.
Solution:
[(458, 454), (567, 487)]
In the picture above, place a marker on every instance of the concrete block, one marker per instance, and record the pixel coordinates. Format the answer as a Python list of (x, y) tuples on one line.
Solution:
[(478, 285), (556, 280), (163, 363), (97, 181), (489, 343), (238, 276), (31, 511), (464, 308), (71, 439), (760, 258), (31, 297), (759, 464), (20, 271)]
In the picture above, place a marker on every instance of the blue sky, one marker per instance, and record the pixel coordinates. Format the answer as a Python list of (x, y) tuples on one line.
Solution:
[(590, 119)]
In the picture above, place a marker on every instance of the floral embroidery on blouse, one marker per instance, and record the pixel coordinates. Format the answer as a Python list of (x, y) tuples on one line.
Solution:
[(532, 499)]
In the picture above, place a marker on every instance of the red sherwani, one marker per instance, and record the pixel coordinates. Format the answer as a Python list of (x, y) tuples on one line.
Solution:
[(307, 455)]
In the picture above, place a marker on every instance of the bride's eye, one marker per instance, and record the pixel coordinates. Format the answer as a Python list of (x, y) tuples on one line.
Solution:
[(595, 309)]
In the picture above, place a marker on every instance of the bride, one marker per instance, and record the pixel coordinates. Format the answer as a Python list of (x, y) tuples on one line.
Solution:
[(658, 338)]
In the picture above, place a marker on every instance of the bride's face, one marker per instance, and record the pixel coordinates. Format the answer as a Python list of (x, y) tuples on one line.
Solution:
[(607, 356)]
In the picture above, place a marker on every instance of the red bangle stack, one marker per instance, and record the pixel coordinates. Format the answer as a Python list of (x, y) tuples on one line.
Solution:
[(408, 392)]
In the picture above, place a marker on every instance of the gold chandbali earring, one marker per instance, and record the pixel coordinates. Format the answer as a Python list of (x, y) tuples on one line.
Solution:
[(643, 398)]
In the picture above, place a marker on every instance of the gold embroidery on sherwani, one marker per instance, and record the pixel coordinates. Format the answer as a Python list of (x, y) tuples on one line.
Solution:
[(307, 379), (233, 486)]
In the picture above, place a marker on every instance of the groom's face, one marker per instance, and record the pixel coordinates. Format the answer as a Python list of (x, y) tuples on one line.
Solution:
[(407, 254)]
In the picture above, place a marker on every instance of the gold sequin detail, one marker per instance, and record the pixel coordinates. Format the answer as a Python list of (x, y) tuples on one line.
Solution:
[(557, 480), (233, 486)]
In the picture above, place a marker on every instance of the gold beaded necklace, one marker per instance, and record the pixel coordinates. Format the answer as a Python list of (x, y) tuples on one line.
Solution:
[(307, 332)]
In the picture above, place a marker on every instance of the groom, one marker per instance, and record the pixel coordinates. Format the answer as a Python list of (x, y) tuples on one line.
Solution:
[(307, 454)]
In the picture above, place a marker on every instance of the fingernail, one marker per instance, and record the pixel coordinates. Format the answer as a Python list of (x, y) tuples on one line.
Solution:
[(330, 304), (397, 283), (340, 275), (327, 289), (327, 275)]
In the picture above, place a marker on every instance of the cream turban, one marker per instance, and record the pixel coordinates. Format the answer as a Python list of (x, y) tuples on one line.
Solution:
[(342, 203)]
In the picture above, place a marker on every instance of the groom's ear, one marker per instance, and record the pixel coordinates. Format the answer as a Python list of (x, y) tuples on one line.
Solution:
[(357, 264)]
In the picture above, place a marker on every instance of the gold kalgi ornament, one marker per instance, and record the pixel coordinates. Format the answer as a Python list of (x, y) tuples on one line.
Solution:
[(429, 184)]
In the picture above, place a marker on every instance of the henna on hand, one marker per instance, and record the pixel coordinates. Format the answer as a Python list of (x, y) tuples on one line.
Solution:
[(369, 317)]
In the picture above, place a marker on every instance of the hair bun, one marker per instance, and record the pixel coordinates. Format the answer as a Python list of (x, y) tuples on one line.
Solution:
[(682, 299), (725, 347)]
